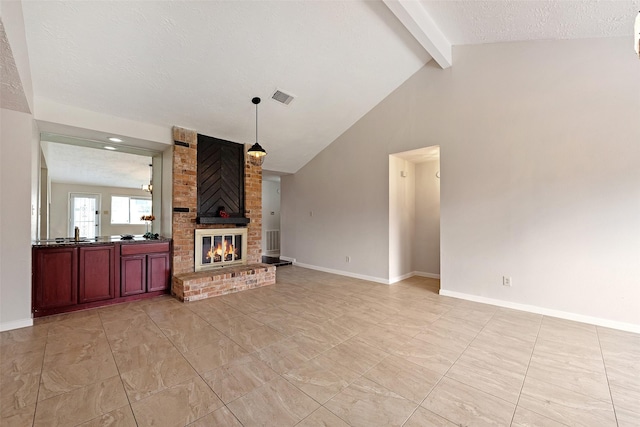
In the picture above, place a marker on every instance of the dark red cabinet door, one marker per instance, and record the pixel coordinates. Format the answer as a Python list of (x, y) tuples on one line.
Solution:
[(133, 274), (158, 272), (96, 279), (55, 278)]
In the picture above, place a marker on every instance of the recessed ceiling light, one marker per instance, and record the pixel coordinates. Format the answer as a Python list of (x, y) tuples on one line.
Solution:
[(113, 139), (109, 148)]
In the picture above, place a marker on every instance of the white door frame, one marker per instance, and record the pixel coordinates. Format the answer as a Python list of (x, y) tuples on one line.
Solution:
[(96, 217)]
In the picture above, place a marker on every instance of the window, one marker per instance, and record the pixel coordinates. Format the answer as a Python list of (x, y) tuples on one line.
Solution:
[(128, 210)]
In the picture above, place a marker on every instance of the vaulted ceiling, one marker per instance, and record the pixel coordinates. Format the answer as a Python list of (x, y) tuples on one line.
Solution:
[(197, 64)]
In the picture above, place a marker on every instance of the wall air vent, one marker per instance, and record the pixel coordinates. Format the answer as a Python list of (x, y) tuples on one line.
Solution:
[(282, 97)]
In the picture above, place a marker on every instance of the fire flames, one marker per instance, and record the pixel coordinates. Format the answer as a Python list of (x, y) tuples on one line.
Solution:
[(223, 250)]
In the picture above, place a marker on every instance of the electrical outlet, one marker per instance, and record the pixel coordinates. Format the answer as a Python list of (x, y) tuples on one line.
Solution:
[(348, 259), (506, 280)]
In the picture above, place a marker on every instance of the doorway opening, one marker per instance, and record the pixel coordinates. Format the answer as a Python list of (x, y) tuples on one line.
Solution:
[(84, 213), (271, 219), (414, 214)]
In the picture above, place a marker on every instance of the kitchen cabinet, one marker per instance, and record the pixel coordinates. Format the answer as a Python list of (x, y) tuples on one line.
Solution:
[(158, 272), (144, 268), (96, 273), (133, 274), (55, 278), (70, 276)]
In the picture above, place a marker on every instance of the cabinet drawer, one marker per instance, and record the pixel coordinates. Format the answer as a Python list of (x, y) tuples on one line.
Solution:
[(144, 248)]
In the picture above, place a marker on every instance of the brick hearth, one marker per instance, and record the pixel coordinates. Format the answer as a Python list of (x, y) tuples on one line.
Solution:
[(185, 199), (221, 281)]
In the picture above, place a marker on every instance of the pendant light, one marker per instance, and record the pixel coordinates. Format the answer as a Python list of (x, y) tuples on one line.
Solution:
[(149, 187), (256, 152)]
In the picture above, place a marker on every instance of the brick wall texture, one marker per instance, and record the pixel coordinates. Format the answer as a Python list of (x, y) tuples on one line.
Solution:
[(185, 195), (215, 282)]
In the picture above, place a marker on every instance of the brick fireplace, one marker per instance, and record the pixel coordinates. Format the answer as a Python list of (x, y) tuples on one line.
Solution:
[(187, 284)]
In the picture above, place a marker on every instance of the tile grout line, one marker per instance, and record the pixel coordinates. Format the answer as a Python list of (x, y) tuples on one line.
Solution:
[(316, 356), (392, 302), (192, 367), (281, 376), (44, 354), (359, 377), (604, 365), (439, 379), (118, 368), (533, 349), (250, 354), (452, 365), (582, 393)]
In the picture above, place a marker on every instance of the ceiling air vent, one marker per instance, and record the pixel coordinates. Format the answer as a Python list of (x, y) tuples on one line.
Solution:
[(282, 97)]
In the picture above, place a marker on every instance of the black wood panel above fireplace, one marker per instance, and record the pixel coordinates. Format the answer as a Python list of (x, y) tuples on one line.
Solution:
[(220, 181)]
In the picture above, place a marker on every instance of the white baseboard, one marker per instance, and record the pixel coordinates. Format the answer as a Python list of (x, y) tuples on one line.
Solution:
[(362, 276), (341, 273), (412, 274), (629, 327), (425, 274), (400, 278), (15, 324)]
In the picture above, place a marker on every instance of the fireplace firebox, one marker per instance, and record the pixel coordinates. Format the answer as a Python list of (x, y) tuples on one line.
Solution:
[(220, 247)]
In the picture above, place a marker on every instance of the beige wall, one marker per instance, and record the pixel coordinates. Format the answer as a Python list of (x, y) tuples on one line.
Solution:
[(539, 159), (16, 216), (402, 217), (426, 245), (338, 206), (18, 185), (60, 208)]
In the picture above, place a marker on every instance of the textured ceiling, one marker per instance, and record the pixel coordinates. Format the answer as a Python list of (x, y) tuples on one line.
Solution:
[(74, 164), (12, 95), (478, 21), (197, 64)]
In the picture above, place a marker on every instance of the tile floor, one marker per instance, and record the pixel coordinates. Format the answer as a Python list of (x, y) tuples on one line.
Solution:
[(318, 350)]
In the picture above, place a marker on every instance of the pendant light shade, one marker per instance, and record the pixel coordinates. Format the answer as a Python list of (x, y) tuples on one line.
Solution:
[(256, 152), (149, 187)]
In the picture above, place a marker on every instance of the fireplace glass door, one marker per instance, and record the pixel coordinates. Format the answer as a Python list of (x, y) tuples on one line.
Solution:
[(221, 250)]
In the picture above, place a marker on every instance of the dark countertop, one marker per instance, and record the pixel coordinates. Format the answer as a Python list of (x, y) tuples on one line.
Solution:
[(101, 240)]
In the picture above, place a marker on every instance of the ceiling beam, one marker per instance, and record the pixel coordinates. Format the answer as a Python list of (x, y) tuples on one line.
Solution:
[(423, 28)]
